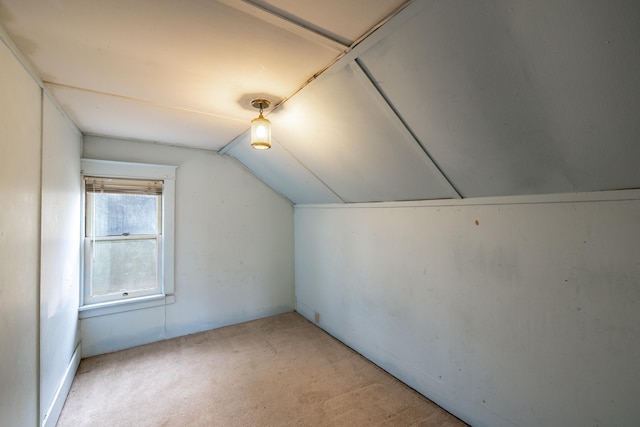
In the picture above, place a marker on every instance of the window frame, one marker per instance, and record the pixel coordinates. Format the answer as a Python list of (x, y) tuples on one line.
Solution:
[(165, 294)]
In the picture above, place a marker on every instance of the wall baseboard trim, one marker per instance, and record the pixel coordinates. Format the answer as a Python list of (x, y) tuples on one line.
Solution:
[(50, 418)]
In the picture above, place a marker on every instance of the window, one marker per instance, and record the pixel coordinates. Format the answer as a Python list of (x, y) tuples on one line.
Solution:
[(128, 233)]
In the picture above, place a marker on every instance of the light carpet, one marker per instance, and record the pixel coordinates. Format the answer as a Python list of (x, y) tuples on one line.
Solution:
[(278, 371)]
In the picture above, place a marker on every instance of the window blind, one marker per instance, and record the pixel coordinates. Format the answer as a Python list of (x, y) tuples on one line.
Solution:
[(122, 185)]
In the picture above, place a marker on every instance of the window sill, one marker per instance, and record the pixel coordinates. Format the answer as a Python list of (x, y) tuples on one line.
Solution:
[(113, 307)]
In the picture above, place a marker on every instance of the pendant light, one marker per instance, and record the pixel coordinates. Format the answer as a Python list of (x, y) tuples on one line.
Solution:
[(260, 127)]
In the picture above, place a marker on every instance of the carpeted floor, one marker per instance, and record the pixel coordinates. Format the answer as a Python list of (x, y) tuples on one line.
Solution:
[(277, 371)]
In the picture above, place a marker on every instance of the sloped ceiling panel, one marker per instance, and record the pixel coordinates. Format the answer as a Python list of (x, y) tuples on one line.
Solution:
[(344, 21), (448, 98), (281, 171), (134, 119), (198, 56), (345, 134), (520, 97)]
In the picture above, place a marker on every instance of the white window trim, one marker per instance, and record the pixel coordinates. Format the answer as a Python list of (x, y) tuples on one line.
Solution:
[(166, 173)]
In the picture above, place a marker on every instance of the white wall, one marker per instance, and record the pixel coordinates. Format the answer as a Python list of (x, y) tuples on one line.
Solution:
[(60, 259), (39, 247), (515, 311), (20, 145), (233, 249)]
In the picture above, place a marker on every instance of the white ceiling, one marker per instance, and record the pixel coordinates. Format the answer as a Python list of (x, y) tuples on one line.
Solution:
[(445, 99), (179, 72)]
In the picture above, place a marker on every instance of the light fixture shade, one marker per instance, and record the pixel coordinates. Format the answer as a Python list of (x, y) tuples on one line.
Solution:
[(260, 133)]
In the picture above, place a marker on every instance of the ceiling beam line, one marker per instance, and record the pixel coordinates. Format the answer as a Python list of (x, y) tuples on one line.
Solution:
[(287, 22), (380, 31), (305, 25), (242, 137), (320, 180), (380, 24), (365, 75), (140, 101), (31, 70)]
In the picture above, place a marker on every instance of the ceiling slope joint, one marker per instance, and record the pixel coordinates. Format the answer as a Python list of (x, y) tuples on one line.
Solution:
[(279, 18), (368, 79)]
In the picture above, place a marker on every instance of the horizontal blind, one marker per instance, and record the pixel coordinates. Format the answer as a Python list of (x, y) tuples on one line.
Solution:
[(122, 185)]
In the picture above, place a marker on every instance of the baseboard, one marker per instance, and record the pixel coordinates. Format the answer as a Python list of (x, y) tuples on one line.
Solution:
[(305, 311), (50, 418)]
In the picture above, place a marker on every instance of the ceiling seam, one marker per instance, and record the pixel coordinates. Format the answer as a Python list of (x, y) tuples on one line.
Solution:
[(312, 173), (141, 101), (348, 52), (18, 55), (320, 180), (28, 66), (374, 84), (250, 171), (377, 26), (272, 16), (615, 196), (298, 22), (380, 31), (149, 141)]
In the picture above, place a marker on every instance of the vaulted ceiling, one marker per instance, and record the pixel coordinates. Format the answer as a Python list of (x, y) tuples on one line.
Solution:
[(375, 100)]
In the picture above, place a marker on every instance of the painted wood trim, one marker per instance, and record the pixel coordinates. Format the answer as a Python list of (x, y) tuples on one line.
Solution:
[(50, 418), (594, 196)]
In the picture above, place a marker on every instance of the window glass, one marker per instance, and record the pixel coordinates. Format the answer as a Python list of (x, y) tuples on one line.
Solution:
[(123, 235), (124, 266), (124, 214)]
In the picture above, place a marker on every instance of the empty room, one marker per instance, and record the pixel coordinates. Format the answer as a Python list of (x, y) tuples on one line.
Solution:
[(319, 213)]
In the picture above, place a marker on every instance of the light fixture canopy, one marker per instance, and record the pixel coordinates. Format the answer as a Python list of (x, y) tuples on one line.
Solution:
[(260, 127)]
